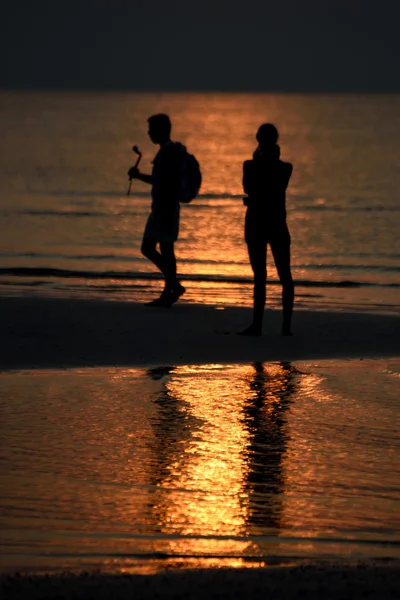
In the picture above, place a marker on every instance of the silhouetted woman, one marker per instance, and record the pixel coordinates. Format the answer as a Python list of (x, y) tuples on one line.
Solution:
[(265, 179)]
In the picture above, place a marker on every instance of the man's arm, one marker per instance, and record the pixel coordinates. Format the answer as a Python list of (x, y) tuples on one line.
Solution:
[(134, 173)]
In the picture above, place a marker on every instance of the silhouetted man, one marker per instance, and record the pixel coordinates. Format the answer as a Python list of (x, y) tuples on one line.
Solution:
[(265, 179), (163, 223)]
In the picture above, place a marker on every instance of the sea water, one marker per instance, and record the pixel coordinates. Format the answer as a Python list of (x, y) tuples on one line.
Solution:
[(69, 228)]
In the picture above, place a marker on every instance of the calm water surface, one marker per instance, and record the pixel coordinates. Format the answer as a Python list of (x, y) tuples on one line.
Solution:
[(124, 469), (67, 226)]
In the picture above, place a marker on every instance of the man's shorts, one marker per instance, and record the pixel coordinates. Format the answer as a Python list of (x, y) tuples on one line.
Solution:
[(162, 226)]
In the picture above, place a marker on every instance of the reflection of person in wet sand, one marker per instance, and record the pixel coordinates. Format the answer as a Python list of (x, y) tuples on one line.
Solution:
[(168, 427), (173, 425), (265, 179), (184, 447), (265, 418)]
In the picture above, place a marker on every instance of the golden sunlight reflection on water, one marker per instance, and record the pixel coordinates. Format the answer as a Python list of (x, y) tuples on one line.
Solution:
[(231, 490), (129, 469), (67, 212)]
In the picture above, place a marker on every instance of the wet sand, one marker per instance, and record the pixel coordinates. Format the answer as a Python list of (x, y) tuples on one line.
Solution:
[(45, 333), (52, 333)]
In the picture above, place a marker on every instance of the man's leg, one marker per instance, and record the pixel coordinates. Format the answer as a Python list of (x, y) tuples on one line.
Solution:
[(258, 260), (169, 261), (281, 254), (149, 250)]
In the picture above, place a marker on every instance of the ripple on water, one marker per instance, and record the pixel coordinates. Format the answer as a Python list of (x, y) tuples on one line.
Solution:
[(230, 464)]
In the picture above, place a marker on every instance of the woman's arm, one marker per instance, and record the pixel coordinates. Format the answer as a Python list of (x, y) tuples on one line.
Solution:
[(288, 173), (247, 176)]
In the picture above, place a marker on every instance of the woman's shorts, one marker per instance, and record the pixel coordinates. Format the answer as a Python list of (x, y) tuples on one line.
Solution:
[(271, 233)]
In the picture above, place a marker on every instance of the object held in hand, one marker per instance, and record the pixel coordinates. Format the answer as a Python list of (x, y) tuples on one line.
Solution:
[(134, 171)]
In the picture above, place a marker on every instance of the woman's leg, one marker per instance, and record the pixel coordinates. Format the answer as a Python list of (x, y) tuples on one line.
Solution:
[(258, 260), (281, 253)]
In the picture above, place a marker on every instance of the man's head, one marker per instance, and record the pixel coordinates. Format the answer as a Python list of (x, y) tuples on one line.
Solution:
[(267, 135), (159, 128)]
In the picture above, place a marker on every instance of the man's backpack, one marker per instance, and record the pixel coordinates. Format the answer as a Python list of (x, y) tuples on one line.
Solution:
[(191, 180)]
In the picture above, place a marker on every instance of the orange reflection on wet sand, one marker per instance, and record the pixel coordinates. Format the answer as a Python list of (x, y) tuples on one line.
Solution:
[(202, 493), (332, 485), (206, 490), (196, 465)]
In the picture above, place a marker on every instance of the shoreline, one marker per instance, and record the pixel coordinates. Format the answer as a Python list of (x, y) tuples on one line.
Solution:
[(40, 333), (54, 333)]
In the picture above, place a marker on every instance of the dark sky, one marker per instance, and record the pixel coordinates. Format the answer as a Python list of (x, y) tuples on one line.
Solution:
[(290, 45)]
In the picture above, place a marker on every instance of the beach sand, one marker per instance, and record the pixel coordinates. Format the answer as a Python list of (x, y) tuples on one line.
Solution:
[(54, 333), (46, 333), (379, 582)]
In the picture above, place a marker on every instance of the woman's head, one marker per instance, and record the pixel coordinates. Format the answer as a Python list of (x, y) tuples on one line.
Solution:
[(267, 135)]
